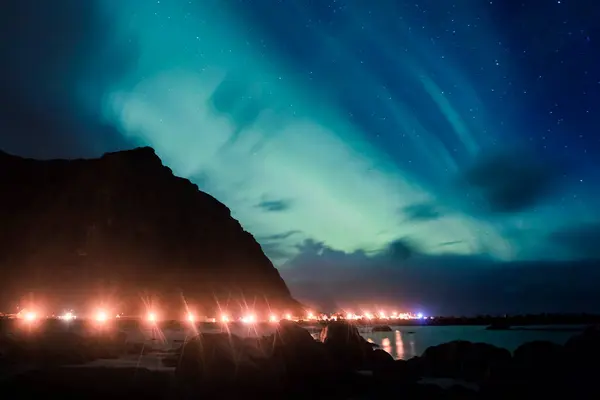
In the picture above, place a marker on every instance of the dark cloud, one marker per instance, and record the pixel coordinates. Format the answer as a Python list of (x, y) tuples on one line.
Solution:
[(421, 212), (276, 251), (57, 59), (274, 205), (274, 246), (238, 99), (450, 243), (280, 236), (441, 284), (512, 181), (401, 249), (580, 241)]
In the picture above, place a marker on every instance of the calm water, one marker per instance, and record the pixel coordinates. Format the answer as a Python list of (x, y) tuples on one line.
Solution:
[(405, 342)]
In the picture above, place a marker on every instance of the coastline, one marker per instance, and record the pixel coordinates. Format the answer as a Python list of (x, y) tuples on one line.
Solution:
[(278, 363)]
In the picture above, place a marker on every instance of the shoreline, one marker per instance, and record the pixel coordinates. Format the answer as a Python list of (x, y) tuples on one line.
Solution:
[(278, 363)]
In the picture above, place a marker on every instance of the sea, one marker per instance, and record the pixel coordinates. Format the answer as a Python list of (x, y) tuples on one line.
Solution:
[(402, 342), (405, 342)]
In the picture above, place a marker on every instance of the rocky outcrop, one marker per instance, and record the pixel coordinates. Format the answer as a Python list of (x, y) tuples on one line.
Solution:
[(291, 364), (123, 224)]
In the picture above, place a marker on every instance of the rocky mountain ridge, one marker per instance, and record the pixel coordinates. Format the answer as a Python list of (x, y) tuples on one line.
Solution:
[(123, 226)]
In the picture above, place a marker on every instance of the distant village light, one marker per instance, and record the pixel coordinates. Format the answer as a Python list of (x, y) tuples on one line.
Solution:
[(101, 316)]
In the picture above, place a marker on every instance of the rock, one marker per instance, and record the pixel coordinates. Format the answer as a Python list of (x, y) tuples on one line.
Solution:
[(300, 355), (464, 360), (48, 348), (108, 345), (381, 328), (537, 368), (292, 334), (217, 361), (124, 219), (539, 360), (583, 352), (343, 341), (138, 348), (90, 383), (379, 360)]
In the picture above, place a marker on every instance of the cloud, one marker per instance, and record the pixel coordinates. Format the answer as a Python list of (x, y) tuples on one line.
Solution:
[(278, 247), (275, 205), (580, 241), (280, 236), (512, 180), (276, 251), (421, 212), (451, 243), (446, 284), (401, 249)]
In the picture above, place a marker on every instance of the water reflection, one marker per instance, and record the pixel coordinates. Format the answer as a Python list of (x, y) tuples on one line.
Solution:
[(386, 345), (407, 342), (399, 346), (413, 347)]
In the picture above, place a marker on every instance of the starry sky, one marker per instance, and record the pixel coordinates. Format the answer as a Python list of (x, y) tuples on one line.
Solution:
[(421, 152)]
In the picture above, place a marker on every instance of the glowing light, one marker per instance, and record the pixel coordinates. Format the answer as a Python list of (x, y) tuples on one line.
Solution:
[(382, 315), (310, 315), (420, 315), (368, 316), (191, 318), (249, 319), (224, 319), (30, 316), (101, 316), (288, 316), (67, 316), (151, 317), (273, 318)]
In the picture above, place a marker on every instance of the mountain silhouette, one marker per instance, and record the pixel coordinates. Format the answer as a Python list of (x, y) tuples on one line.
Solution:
[(122, 227)]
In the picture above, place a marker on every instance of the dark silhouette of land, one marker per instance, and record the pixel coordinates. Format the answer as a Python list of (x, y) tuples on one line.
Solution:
[(291, 364), (120, 227), (500, 322)]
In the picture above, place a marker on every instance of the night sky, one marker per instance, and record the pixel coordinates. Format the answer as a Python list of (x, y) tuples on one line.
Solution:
[(440, 155)]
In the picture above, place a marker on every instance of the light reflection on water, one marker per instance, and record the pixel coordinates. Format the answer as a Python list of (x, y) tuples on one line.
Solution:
[(385, 345), (405, 342), (399, 354)]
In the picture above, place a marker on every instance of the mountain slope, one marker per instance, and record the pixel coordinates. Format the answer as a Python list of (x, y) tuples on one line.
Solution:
[(123, 226)]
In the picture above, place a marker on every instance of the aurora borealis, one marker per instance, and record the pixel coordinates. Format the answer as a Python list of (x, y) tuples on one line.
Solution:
[(373, 135)]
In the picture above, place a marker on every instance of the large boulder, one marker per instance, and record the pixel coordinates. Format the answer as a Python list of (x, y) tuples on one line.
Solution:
[(218, 361), (300, 354), (88, 383), (582, 353), (464, 360), (47, 348), (539, 360), (345, 344)]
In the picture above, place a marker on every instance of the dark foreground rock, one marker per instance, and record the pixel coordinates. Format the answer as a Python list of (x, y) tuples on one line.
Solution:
[(53, 348), (381, 328), (290, 364)]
